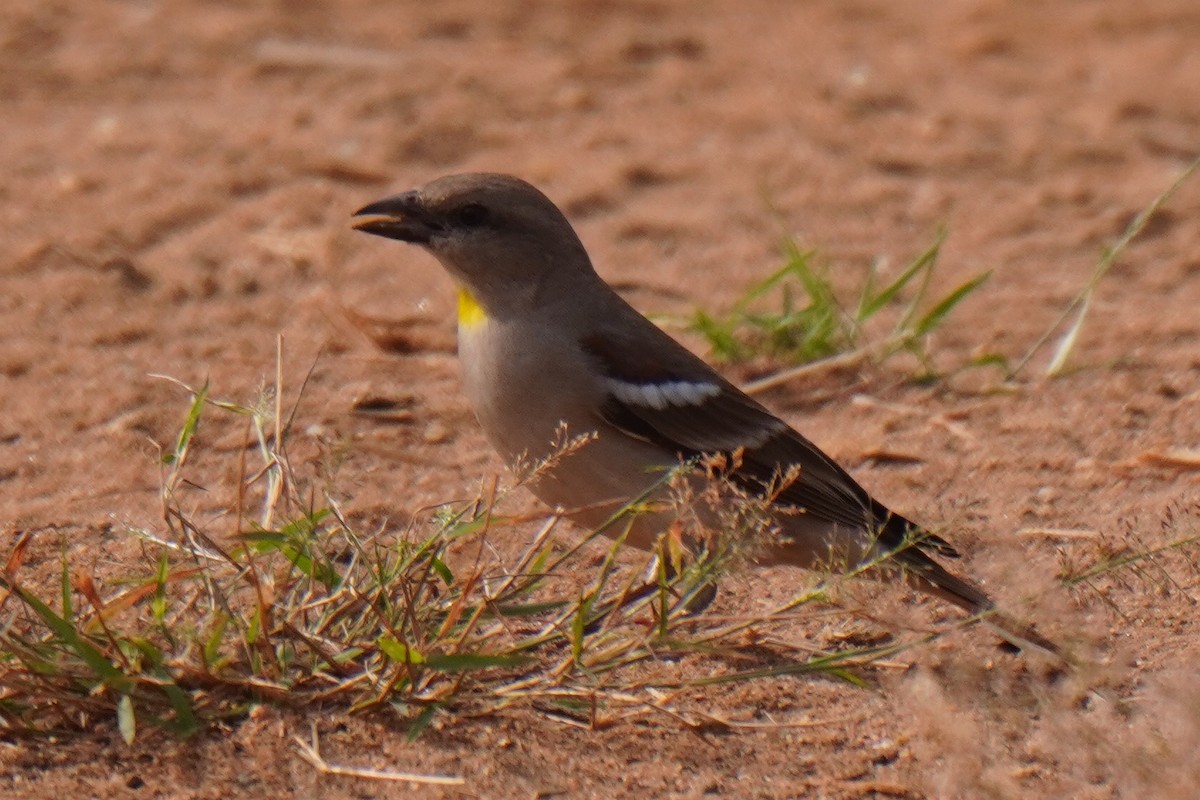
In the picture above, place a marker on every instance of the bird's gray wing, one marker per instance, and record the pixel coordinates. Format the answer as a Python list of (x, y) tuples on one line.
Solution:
[(677, 402)]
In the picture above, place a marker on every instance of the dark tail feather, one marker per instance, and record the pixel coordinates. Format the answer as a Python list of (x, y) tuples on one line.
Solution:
[(936, 580)]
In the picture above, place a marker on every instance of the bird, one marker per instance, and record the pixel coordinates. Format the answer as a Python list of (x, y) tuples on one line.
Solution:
[(547, 346)]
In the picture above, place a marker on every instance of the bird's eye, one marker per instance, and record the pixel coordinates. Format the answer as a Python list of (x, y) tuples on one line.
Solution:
[(472, 215)]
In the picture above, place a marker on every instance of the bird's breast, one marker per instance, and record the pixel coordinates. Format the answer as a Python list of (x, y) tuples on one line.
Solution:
[(524, 383), (534, 393)]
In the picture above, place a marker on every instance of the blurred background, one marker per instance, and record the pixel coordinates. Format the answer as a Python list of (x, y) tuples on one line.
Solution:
[(178, 179)]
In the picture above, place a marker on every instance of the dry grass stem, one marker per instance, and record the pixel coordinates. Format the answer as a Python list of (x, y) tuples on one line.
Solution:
[(311, 752)]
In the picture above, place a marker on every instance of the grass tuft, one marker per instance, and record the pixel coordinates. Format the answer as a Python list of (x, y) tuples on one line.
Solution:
[(795, 315)]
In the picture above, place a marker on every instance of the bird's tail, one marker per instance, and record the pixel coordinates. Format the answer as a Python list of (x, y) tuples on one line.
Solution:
[(933, 578)]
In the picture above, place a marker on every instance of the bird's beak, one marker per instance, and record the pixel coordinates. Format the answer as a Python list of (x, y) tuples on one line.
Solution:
[(402, 217)]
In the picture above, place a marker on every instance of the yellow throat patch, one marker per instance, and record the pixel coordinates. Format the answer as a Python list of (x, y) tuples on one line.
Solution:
[(470, 313)]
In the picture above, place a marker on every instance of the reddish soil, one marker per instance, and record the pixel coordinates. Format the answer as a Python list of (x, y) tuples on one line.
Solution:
[(178, 182)]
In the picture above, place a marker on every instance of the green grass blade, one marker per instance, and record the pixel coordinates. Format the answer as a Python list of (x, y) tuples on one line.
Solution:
[(579, 626), (421, 722), (924, 261), (67, 633), (934, 317), (868, 292), (185, 723), (718, 334), (443, 571), (215, 638), (398, 651), (190, 425), (464, 662), (68, 606), (796, 265), (158, 603)]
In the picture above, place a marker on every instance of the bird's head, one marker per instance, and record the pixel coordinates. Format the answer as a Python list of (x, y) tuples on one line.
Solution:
[(498, 236)]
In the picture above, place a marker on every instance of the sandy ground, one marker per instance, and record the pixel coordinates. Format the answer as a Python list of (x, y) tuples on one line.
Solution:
[(178, 178)]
